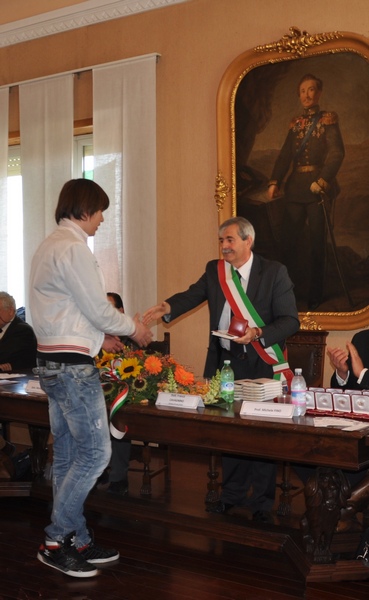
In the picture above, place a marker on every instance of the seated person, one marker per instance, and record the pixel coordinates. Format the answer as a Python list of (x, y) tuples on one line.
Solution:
[(350, 373), (116, 300), (115, 478), (18, 343), (351, 364), (6, 447)]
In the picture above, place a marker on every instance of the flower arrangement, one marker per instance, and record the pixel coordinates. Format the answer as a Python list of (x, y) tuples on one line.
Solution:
[(147, 374)]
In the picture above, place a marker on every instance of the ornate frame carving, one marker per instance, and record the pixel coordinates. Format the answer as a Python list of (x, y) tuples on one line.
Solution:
[(296, 45)]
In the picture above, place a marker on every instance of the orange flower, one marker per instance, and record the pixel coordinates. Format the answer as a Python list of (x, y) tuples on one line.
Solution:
[(182, 376), (153, 365)]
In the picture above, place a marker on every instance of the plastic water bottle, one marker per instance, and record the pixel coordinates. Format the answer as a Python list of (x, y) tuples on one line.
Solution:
[(227, 382), (298, 393)]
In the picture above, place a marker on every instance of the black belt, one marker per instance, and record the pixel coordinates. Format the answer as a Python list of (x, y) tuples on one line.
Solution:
[(52, 365), (235, 353)]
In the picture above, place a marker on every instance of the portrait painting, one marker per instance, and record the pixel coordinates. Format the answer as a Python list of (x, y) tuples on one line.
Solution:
[(296, 165)]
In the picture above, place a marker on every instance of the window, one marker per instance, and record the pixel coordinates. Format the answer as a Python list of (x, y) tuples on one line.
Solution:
[(15, 227), (83, 164), (83, 167), (83, 158)]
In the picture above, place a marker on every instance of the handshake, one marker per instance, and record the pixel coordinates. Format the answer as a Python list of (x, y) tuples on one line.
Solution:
[(142, 334)]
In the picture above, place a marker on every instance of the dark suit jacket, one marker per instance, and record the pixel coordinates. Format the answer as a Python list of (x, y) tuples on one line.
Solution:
[(18, 346), (271, 292), (361, 343)]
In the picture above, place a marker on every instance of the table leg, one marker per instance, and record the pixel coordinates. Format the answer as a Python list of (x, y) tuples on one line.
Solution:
[(39, 437), (285, 499), (146, 478), (212, 495), (326, 493)]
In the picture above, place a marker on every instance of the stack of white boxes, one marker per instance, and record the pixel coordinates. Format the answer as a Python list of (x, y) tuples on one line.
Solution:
[(342, 401)]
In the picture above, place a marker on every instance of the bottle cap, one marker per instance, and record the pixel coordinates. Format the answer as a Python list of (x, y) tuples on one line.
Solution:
[(298, 371), (227, 362)]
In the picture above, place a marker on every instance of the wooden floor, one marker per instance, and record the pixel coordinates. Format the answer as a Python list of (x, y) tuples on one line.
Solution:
[(157, 562)]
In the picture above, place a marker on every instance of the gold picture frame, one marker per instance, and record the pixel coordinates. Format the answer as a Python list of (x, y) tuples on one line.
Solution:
[(265, 75)]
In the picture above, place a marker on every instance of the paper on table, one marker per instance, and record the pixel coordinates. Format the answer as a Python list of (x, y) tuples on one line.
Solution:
[(34, 387), (340, 423), (11, 375), (224, 334), (6, 378)]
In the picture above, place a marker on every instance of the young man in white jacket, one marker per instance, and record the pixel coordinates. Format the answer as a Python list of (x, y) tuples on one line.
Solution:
[(73, 320)]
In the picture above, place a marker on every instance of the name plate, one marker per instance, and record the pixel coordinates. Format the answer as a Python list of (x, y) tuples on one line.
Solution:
[(34, 387), (178, 401), (266, 410)]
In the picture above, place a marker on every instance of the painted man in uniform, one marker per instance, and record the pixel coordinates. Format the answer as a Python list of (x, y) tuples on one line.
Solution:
[(312, 154)]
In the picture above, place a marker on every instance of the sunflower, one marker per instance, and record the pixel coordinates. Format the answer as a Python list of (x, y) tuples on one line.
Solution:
[(139, 384), (129, 367), (153, 365), (104, 360)]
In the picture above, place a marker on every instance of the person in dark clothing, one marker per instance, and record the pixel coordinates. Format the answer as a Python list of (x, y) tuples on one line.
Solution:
[(266, 288), (18, 344), (115, 477), (351, 364)]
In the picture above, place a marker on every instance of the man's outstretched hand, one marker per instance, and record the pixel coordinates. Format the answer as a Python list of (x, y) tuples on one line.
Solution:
[(156, 312)]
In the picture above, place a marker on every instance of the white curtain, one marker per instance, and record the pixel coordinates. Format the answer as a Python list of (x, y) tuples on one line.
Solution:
[(46, 130), (124, 120), (4, 135)]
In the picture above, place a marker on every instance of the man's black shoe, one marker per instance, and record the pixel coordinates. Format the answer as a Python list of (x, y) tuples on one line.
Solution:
[(263, 516), (8, 449), (118, 487), (219, 507)]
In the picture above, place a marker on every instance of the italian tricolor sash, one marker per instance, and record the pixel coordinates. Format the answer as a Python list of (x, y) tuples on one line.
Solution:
[(115, 406), (242, 307)]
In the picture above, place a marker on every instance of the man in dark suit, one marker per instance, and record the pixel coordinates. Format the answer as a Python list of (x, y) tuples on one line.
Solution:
[(270, 291), (351, 364), (351, 372), (18, 343)]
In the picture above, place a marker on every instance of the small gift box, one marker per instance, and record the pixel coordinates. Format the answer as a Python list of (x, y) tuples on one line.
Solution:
[(310, 398), (342, 402), (360, 403), (238, 326), (324, 400)]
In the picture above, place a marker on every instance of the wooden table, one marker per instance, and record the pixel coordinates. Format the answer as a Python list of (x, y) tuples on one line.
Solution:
[(219, 431), (16, 405)]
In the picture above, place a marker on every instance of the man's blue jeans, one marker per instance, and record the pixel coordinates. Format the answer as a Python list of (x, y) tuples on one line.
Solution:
[(82, 447)]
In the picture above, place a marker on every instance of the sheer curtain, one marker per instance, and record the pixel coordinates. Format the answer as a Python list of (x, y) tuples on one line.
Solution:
[(4, 128), (124, 118), (46, 129)]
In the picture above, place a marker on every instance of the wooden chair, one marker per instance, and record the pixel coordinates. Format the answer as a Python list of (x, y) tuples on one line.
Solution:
[(8, 485), (148, 473), (162, 346), (306, 349)]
